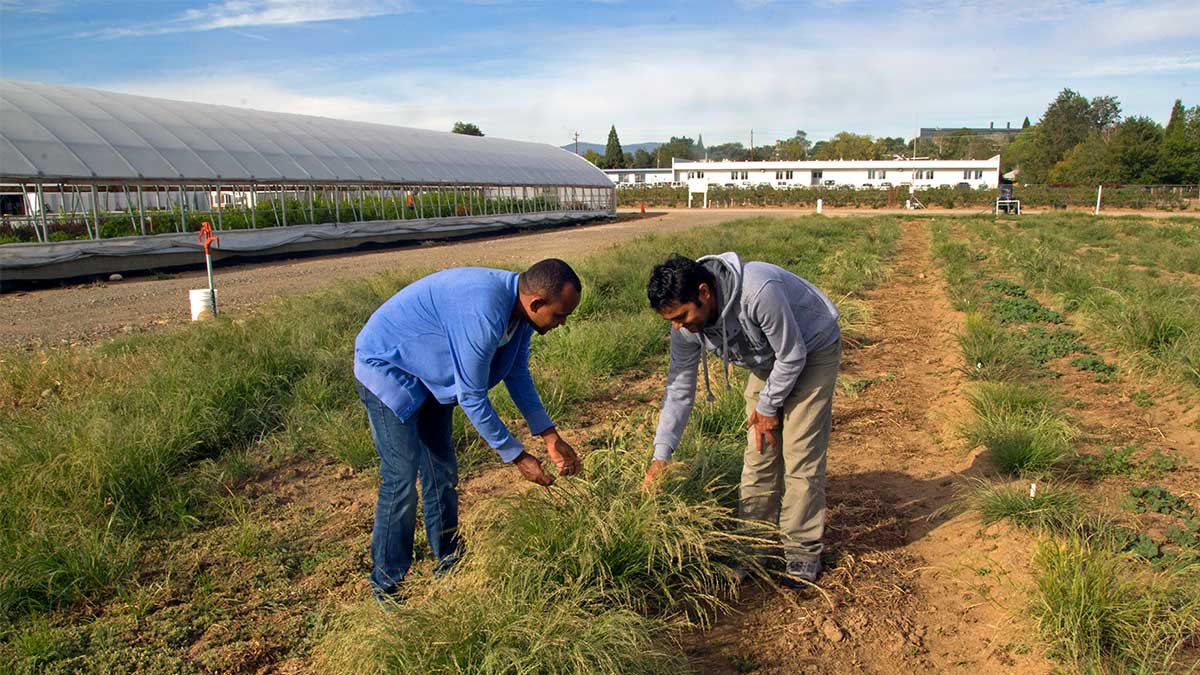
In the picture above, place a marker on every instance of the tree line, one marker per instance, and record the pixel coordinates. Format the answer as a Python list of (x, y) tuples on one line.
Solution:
[(1076, 141), (1085, 141)]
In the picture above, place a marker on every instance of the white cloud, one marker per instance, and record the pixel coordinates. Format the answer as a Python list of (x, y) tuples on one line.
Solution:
[(245, 13), (251, 13)]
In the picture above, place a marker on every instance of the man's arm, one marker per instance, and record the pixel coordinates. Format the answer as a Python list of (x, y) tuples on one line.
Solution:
[(473, 343), (773, 312), (519, 383), (680, 394)]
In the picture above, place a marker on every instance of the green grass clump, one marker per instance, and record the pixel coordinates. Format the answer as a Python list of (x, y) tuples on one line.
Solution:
[(1018, 426), (1052, 508), (1103, 612), (598, 556), (990, 352), (510, 627)]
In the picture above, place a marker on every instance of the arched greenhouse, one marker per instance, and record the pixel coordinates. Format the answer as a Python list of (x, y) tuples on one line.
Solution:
[(94, 182)]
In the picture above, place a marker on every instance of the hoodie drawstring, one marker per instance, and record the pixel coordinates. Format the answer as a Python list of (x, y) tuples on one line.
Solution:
[(707, 387)]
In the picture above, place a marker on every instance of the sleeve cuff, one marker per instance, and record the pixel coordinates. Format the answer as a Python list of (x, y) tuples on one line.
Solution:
[(511, 449), (663, 452), (538, 425), (766, 409)]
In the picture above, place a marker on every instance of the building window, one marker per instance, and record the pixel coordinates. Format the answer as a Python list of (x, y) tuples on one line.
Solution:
[(917, 175), (818, 174), (870, 174), (929, 174), (966, 174), (778, 175), (978, 174), (882, 173), (699, 174)]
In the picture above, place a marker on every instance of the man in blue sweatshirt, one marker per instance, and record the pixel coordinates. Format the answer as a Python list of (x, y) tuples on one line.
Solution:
[(444, 340), (784, 330)]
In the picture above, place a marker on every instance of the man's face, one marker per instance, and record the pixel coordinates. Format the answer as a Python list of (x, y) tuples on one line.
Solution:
[(546, 315), (692, 316)]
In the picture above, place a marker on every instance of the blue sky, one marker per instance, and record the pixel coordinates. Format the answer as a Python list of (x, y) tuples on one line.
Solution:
[(540, 70)]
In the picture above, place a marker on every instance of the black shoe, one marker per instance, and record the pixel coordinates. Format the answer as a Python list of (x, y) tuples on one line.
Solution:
[(803, 572)]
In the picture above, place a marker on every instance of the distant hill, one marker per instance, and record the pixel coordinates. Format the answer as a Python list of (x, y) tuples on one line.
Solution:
[(599, 147)]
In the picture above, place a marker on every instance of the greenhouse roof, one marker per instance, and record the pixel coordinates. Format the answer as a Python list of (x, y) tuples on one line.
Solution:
[(57, 133)]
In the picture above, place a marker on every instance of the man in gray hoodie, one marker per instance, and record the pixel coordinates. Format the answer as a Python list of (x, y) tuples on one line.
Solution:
[(784, 330)]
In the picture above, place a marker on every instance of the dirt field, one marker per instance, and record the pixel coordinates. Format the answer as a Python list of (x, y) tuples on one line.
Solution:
[(918, 586)]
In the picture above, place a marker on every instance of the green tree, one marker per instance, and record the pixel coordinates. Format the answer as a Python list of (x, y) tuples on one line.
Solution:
[(614, 157), (679, 146), (1025, 124), (793, 149), (700, 146), (1068, 121), (642, 159), (1179, 161), (728, 151), (1091, 162), (1137, 148), (466, 129), (594, 157), (889, 147), (845, 145)]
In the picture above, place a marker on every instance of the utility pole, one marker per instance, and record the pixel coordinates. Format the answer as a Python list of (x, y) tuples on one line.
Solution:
[(577, 142), (751, 145)]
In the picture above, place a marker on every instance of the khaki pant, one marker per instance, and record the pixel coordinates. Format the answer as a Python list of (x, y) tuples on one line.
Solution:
[(786, 486)]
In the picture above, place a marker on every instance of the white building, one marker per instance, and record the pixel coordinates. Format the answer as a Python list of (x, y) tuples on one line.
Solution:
[(918, 173)]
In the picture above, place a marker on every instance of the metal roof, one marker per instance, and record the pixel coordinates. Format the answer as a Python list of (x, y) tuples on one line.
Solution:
[(51, 132)]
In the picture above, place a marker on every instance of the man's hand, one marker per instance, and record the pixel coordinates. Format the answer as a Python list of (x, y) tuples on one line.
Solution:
[(531, 468), (652, 474), (561, 453), (766, 430)]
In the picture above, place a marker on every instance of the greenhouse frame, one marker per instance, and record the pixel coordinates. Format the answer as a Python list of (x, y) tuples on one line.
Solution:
[(93, 181)]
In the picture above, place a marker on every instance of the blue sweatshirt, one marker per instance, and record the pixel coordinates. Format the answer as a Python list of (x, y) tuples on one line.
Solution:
[(443, 335)]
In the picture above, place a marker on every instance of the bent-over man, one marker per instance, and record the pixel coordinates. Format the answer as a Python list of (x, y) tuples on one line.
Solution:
[(785, 331), (442, 341)]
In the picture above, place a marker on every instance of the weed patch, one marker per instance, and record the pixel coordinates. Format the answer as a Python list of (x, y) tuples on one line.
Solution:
[(1101, 370)]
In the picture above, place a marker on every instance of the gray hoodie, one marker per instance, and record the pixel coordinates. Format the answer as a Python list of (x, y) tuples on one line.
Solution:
[(770, 319)]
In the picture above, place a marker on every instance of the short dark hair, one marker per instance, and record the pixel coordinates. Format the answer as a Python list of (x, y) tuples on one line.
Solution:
[(547, 278), (677, 281)]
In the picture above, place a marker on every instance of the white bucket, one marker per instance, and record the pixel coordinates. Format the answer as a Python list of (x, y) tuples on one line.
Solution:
[(820, 204), (202, 303)]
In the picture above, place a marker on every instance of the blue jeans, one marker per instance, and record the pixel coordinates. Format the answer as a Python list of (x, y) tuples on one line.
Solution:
[(421, 447)]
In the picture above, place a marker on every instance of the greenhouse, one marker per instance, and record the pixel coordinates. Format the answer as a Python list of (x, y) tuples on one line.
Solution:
[(94, 181)]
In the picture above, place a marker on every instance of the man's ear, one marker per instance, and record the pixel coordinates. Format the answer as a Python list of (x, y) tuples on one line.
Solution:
[(537, 304), (704, 292)]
